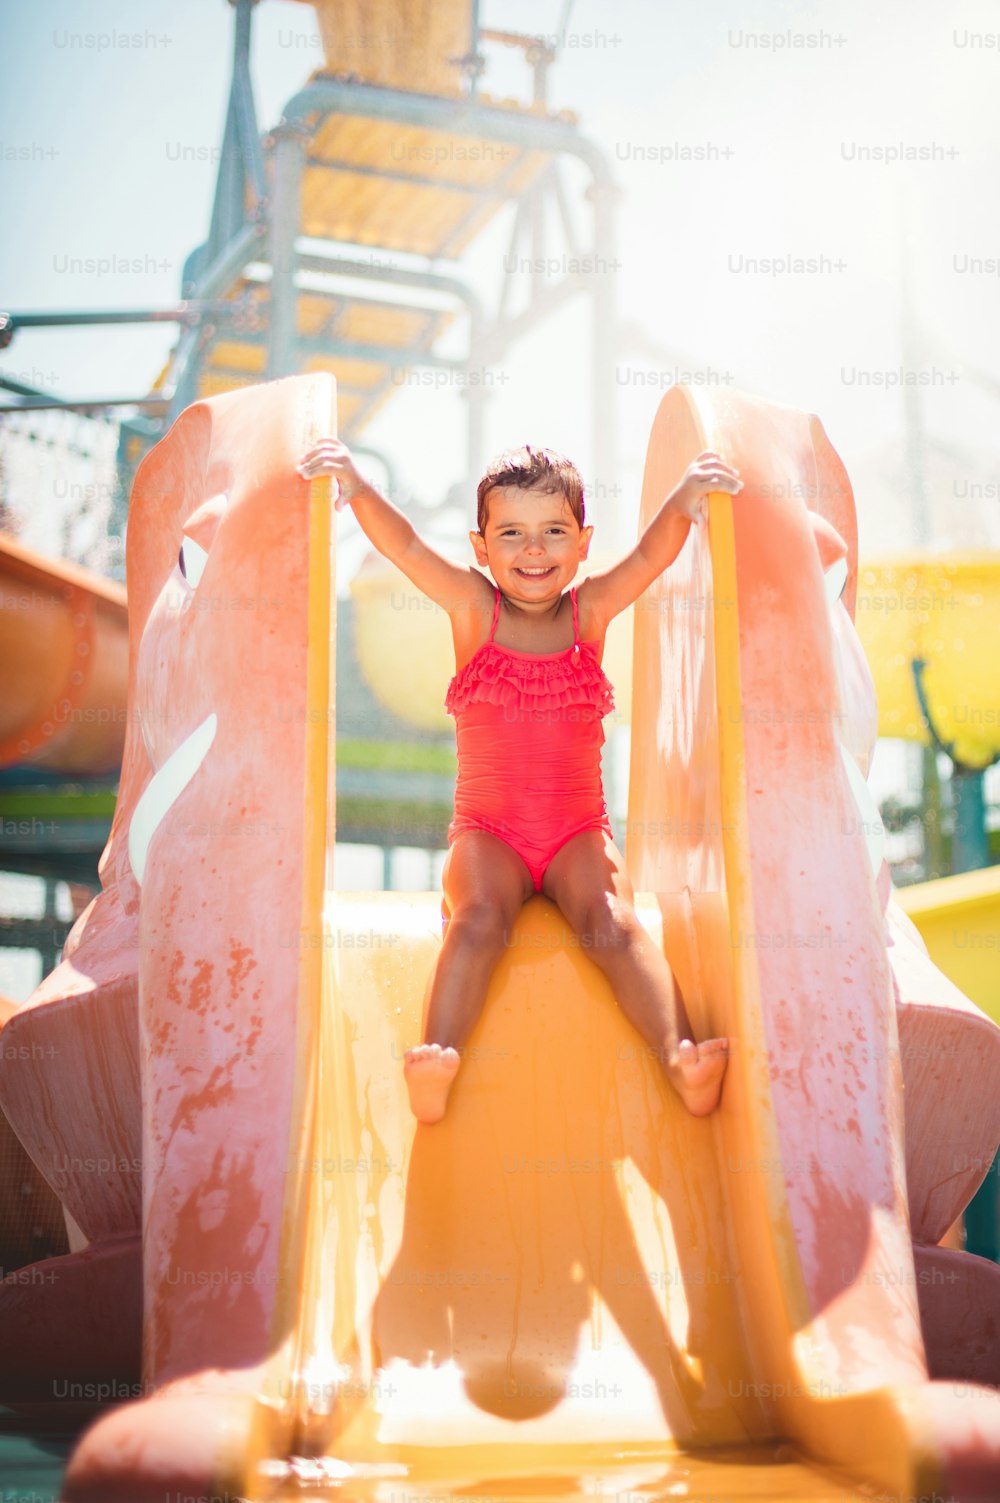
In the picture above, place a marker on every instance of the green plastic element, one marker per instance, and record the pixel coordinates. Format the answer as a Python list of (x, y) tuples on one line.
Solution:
[(47, 803), (396, 756)]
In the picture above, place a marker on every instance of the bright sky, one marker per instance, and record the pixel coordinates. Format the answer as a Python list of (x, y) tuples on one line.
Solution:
[(796, 116)]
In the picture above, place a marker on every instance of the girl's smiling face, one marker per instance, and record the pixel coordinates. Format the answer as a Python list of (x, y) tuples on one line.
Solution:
[(533, 544)]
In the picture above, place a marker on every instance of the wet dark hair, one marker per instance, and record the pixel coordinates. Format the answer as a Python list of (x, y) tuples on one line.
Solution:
[(524, 468)]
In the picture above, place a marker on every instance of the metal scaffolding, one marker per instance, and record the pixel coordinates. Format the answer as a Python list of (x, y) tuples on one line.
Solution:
[(336, 243)]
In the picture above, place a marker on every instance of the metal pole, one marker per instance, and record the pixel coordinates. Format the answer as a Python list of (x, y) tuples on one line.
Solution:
[(181, 380), (475, 42), (911, 350), (915, 449), (99, 404), (933, 825), (970, 847), (475, 396), (191, 311), (245, 112), (286, 203), (605, 321)]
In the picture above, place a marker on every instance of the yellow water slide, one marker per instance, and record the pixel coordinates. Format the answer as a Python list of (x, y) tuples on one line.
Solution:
[(569, 1270)]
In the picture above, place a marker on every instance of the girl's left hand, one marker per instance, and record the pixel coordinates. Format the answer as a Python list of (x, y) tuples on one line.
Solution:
[(703, 475)]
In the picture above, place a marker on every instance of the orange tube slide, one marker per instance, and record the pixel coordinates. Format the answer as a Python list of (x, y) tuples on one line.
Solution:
[(64, 646)]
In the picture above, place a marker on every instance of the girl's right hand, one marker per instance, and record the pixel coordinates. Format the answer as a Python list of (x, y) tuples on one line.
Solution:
[(709, 472), (331, 457)]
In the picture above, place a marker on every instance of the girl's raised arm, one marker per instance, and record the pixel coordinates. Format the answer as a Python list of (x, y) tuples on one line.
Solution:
[(613, 590), (452, 586)]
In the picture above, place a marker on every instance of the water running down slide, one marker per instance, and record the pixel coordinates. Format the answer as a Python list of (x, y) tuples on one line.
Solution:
[(569, 1277)]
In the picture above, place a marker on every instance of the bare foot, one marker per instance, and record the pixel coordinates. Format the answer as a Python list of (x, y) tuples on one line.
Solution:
[(696, 1072), (430, 1071)]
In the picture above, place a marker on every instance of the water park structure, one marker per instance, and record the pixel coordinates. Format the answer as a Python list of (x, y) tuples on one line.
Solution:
[(303, 1289)]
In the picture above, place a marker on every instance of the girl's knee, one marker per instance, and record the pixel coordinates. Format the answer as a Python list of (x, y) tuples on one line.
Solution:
[(610, 927), (478, 925)]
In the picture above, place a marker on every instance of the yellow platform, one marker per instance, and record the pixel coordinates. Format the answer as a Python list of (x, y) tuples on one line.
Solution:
[(959, 921), (944, 610)]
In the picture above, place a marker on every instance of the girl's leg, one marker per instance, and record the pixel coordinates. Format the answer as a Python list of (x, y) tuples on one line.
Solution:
[(485, 885), (587, 879)]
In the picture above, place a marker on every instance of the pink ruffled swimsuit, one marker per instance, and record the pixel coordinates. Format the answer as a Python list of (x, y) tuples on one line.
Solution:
[(529, 745)]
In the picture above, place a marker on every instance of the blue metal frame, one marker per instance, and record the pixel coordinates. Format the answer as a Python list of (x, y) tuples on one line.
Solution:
[(970, 844)]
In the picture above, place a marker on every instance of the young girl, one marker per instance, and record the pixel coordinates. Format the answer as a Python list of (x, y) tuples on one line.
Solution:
[(528, 698)]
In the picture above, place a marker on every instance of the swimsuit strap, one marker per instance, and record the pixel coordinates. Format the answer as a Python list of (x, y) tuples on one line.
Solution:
[(496, 615), (575, 659)]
